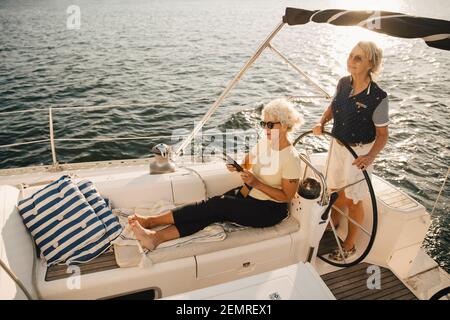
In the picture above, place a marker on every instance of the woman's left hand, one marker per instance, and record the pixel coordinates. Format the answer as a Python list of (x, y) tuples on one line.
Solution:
[(249, 178), (363, 162)]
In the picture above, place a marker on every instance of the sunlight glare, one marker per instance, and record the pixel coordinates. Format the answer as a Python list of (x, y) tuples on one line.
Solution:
[(350, 36), (386, 5)]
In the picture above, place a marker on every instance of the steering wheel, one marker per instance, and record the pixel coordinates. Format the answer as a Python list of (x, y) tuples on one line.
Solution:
[(441, 294), (367, 229)]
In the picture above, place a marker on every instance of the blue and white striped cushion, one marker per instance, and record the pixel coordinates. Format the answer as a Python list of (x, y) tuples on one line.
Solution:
[(111, 222), (101, 208), (60, 220)]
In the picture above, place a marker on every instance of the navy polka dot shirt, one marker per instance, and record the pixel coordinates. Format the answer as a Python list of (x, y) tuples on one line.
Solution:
[(356, 116)]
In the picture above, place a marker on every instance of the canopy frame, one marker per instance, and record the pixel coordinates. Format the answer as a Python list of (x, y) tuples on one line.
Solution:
[(266, 44), (435, 32)]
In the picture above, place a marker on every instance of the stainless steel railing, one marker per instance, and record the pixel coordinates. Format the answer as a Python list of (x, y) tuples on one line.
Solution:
[(53, 140)]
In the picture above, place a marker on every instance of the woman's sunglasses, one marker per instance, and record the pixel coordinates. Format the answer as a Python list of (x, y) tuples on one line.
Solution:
[(268, 124), (356, 58)]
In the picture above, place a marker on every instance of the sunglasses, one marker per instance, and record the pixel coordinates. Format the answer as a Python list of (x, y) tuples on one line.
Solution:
[(268, 124), (356, 58)]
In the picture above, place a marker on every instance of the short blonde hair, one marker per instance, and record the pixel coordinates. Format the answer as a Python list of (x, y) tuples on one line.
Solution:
[(283, 111), (374, 54)]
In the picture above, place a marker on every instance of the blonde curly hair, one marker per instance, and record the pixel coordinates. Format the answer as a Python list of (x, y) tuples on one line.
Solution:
[(283, 111)]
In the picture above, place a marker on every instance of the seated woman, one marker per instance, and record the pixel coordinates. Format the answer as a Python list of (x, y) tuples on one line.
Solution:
[(273, 182)]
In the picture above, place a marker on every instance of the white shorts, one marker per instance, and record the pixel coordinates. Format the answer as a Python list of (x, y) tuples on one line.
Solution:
[(342, 172)]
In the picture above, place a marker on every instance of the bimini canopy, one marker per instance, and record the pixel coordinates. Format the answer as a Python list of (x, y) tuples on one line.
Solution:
[(435, 32)]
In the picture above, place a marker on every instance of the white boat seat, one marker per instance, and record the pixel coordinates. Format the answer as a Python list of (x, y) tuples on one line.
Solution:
[(16, 247), (234, 239), (104, 277)]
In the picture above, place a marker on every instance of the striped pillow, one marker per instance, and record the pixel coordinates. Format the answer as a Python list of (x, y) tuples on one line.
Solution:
[(111, 222), (101, 208), (60, 220)]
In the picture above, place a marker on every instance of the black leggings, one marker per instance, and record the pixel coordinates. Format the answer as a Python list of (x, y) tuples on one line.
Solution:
[(231, 207)]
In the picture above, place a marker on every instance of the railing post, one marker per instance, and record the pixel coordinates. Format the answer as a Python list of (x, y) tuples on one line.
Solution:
[(52, 138)]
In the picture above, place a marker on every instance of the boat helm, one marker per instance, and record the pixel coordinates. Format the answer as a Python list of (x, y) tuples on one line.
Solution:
[(162, 162), (309, 188)]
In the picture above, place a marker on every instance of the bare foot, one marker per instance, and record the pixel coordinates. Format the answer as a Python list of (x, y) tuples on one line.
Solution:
[(143, 221), (348, 246), (146, 237)]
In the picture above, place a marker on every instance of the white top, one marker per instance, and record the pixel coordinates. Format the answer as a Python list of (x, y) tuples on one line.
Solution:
[(270, 166)]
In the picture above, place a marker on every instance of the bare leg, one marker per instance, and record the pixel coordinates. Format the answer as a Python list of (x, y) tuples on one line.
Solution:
[(356, 212), (152, 221), (151, 239)]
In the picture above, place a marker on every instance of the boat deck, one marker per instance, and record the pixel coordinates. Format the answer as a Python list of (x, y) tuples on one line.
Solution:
[(345, 284), (351, 284), (106, 261)]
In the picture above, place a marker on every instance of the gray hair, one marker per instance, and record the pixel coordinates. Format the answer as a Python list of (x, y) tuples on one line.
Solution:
[(283, 111), (374, 54)]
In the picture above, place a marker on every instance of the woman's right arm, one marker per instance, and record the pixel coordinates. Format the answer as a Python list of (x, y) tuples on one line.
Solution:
[(326, 116)]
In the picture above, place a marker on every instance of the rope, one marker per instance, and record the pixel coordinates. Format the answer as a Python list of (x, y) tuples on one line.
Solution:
[(113, 139), (67, 108), (23, 111), (23, 143), (198, 174), (440, 191), (15, 279)]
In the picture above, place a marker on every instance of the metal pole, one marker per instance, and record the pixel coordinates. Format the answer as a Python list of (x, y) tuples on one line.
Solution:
[(16, 280), (228, 88), (52, 139), (298, 70), (440, 191)]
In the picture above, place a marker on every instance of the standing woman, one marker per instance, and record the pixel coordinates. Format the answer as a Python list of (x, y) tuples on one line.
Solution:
[(360, 111)]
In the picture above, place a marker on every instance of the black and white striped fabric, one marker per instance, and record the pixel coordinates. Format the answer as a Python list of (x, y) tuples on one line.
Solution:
[(110, 221), (435, 32), (60, 220)]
